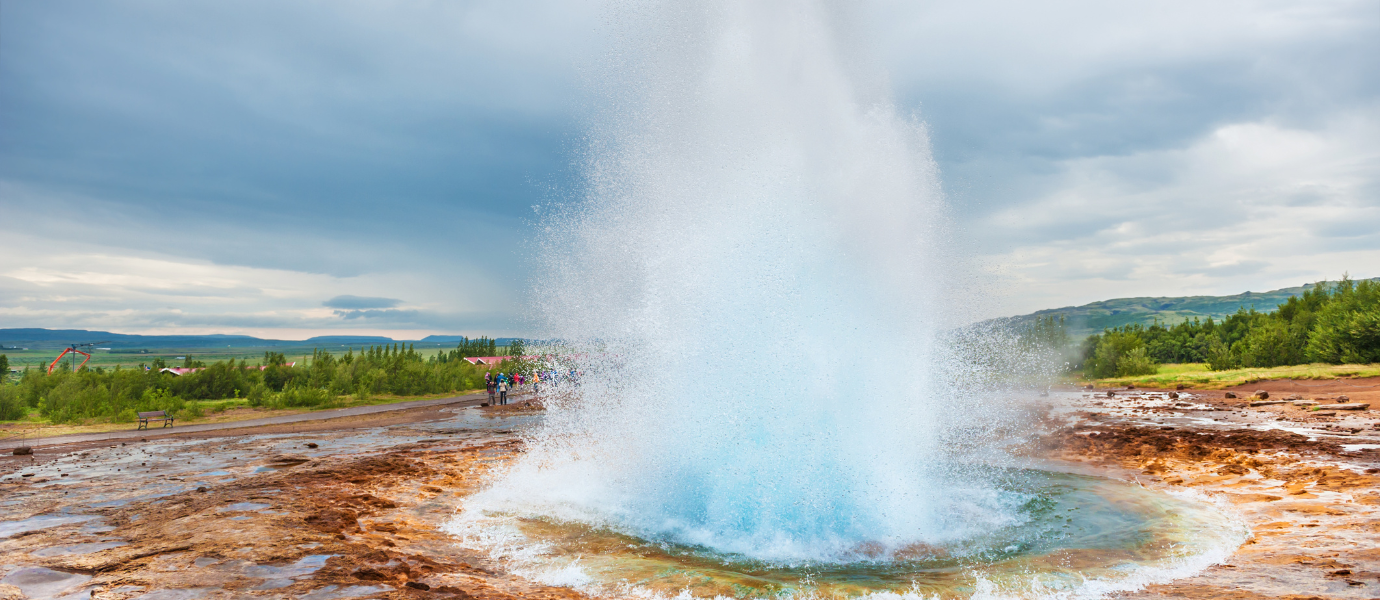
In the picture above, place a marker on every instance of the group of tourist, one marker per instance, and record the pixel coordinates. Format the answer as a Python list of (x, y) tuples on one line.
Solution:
[(499, 385)]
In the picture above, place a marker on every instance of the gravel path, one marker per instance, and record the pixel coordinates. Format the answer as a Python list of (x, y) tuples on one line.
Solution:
[(320, 415)]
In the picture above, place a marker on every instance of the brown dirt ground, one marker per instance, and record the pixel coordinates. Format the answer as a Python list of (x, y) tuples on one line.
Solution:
[(362, 509), (1314, 510)]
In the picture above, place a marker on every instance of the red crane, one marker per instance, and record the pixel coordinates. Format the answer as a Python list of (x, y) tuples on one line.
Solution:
[(73, 349)]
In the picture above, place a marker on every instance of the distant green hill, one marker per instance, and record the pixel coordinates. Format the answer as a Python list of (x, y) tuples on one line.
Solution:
[(38, 338), (1088, 319)]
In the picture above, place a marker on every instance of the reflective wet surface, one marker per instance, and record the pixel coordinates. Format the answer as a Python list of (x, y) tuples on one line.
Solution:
[(1076, 528), (67, 516)]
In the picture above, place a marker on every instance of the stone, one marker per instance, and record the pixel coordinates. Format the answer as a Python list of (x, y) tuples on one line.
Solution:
[(1088, 387), (41, 582), (417, 585), (1305, 403), (311, 444), (1130, 386), (1262, 394), (1181, 387), (1355, 406), (1111, 394), (23, 451), (1326, 413), (1268, 402), (1231, 395), (1343, 399), (1173, 395)]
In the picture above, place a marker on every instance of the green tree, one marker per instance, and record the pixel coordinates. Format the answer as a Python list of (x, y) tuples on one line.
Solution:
[(1118, 354), (1347, 328), (1271, 342)]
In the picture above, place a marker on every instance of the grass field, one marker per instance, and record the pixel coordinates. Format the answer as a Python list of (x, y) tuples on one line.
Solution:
[(1197, 375), (197, 412), (175, 357)]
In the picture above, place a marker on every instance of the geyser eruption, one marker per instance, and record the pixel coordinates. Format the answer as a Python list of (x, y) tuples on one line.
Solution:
[(754, 293), (751, 289)]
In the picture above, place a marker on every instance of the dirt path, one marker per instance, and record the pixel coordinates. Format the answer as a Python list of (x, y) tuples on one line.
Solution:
[(267, 424)]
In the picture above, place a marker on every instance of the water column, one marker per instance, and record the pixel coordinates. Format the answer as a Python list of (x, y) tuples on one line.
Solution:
[(750, 286)]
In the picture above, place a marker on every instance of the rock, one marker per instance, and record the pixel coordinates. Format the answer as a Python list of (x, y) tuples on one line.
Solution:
[(1355, 406), (1268, 402), (1231, 395), (1326, 413), (1305, 403), (1262, 394), (1111, 394), (1343, 399), (1088, 387), (484, 404), (1294, 397), (23, 451), (371, 574), (311, 444), (1173, 395), (1130, 386), (201, 489), (417, 585), (1181, 387)]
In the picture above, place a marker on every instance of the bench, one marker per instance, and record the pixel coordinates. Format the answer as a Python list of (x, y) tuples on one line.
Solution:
[(157, 415)]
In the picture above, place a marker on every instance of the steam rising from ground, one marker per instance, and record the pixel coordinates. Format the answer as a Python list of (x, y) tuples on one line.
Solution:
[(753, 287)]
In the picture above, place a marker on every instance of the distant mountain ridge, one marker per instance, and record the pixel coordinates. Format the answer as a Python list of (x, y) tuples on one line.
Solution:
[(1085, 320), (57, 338)]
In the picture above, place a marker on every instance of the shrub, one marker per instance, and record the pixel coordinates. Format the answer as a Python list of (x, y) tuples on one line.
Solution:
[(1135, 362), (12, 406), (258, 395), (1270, 343), (1108, 351), (298, 397), (1220, 357), (75, 398)]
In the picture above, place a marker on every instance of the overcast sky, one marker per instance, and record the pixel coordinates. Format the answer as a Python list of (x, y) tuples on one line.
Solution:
[(289, 169)]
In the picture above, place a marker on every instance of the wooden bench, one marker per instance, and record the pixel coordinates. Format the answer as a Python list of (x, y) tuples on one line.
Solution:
[(157, 415)]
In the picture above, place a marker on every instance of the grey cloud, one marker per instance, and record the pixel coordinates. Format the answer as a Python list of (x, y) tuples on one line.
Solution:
[(355, 139), (360, 302), (1245, 267), (392, 315)]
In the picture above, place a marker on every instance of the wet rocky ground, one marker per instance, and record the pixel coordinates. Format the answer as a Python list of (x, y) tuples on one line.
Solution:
[(315, 515), (353, 509), (1302, 474)]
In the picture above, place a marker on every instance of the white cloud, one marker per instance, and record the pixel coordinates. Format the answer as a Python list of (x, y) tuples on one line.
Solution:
[(1249, 206), (81, 285)]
